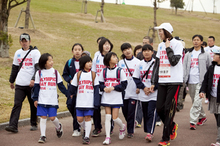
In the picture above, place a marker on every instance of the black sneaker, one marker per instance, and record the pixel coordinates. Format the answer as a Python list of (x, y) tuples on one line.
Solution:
[(33, 128), (86, 140), (42, 139), (130, 135), (96, 132), (11, 129), (60, 131)]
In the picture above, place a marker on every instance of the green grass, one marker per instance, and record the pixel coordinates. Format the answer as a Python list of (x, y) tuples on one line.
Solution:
[(59, 24)]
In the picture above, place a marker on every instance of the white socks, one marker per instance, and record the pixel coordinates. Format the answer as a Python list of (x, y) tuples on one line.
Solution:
[(56, 123), (108, 124), (43, 125), (119, 123), (82, 124), (88, 126)]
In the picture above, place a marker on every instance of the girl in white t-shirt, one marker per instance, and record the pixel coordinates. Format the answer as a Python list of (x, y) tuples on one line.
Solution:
[(128, 64), (112, 82), (85, 89), (45, 95)]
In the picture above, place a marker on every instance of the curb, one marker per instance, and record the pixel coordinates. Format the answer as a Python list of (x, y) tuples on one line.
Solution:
[(25, 122)]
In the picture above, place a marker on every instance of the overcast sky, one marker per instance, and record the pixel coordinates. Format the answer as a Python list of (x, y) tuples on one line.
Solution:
[(197, 4)]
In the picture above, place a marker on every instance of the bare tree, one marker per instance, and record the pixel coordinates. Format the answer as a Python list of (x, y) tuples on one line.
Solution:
[(27, 14), (102, 10), (5, 7)]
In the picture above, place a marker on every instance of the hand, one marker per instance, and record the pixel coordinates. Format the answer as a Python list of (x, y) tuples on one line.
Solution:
[(137, 91), (152, 88), (35, 104), (167, 44), (147, 91), (201, 95), (12, 85), (71, 96), (32, 83), (109, 89)]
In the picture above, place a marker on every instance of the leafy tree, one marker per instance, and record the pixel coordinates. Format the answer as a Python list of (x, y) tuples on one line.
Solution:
[(177, 4)]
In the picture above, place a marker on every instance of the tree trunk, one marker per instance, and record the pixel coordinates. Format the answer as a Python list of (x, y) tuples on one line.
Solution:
[(102, 10), (176, 10), (27, 14), (4, 14), (155, 19)]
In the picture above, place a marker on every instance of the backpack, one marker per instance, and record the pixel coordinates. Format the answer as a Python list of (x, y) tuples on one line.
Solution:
[(93, 77), (69, 62), (32, 90), (118, 74)]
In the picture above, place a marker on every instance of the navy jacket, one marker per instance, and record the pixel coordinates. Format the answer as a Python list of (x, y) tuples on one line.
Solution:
[(69, 71)]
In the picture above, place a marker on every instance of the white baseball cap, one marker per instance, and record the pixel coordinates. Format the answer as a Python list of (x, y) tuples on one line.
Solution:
[(216, 50), (167, 26)]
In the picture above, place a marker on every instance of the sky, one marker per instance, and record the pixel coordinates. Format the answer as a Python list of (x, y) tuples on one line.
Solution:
[(198, 5)]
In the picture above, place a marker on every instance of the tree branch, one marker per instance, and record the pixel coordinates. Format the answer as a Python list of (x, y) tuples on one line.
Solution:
[(10, 6)]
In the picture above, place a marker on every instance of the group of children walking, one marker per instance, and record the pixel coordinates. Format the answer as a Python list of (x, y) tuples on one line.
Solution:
[(106, 81)]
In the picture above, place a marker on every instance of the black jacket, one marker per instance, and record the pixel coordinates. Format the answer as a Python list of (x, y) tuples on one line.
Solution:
[(207, 83)]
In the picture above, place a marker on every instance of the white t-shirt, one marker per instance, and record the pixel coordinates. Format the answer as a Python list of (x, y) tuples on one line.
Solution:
[(139, 72), (76, 62), (48, 88), (168, 73), (114, 97), (27, 70), (209, 50), (216, 76), (85, 92), (194, 67), (98, 64), (96, 54), (131, 87)]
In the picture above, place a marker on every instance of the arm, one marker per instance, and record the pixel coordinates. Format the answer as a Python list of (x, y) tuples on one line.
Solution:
[(14, 72), (62, 88), (204, 86), (66, 73), (97, 99), (36, 68), (101, 86), (138, 83), (121, 87), (36, 90), (173, 59), (154, 77)]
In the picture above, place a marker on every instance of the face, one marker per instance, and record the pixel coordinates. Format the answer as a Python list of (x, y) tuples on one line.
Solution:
[(25, 44), (114, 60), (77, 51), (106, 47), (146, 41), (147, 54), (211, 42), (127, 52), (88, 65), (138, 51), (216, 58), (197, 42), (161, 34), (49, 63)]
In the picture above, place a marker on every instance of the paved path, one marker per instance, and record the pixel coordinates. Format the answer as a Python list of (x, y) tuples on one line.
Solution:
[(202, 136)]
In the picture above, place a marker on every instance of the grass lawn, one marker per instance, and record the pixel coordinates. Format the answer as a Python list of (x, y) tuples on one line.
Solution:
[(60, 23)]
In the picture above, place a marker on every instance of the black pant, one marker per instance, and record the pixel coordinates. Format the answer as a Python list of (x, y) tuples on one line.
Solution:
[(217, 118), (20, 93), (72, 109), (128, 110), (167, 98), (149, 114)]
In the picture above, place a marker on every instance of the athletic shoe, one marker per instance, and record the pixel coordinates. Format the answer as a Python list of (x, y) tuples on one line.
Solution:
[(206, 101), (192, 126), (158, 123), (42, 139), (84, 133), (215, 144), (59, 131), (122, 132), (33, 128), (86, 140), (11, 129), (76, 133), (149, 137), (201, 121), (164, 143), (96, 132), (107, 141), (173, 135), (130, 135)]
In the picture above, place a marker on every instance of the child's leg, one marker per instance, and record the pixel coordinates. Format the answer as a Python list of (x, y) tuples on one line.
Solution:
[(88, 125), (145, 111), (108, 121), (116, 119), (43, 122), (81, 121), (151, 114), (131, 115), (55, 121), (217, 117)]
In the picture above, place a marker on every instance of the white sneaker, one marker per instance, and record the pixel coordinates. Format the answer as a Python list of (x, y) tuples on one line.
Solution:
[(206, 101), (76, 133), (158, 123), (122, 132), (107, 141), (215, 144)]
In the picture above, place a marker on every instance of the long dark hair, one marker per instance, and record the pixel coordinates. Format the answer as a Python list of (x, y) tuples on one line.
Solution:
[(124, 46), (43, 60)]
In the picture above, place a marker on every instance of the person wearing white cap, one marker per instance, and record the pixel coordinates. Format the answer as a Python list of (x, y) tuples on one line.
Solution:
[(168, 66), (210, 87)]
